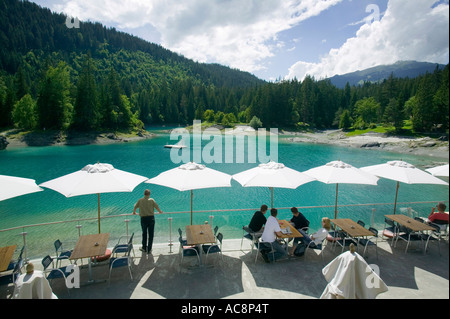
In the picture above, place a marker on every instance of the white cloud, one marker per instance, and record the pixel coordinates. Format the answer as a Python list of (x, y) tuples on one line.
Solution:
[(409, 30), (237, 33)]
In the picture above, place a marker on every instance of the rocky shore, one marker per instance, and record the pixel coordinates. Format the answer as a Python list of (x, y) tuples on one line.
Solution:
[(14, 138), (425, 146)]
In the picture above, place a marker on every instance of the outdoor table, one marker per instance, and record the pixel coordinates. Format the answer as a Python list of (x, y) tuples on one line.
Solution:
[(291, 233), (410, 223), (6, 254), (352, 228), (197, 235), (90, 246), (294, 233)]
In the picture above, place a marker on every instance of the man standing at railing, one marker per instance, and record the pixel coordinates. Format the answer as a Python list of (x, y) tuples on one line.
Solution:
[(147, 208)]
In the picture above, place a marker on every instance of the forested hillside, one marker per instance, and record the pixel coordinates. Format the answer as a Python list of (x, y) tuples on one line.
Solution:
[(94, 78)]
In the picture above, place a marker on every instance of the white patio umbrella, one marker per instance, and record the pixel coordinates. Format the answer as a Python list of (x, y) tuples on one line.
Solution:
[(338, 172), (11, 186), (404, 172), (95, 179), (191, 176), (439, 171), (272, 175)]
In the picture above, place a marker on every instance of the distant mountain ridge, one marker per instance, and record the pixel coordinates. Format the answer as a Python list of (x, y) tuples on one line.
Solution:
[(400, 69)]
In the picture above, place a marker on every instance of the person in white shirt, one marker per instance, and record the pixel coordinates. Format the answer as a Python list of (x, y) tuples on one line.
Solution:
[(319, 235), (271, 231)]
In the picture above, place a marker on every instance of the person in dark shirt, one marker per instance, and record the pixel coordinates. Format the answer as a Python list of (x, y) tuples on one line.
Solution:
[(298, 219), (258, 220), (299, 222)]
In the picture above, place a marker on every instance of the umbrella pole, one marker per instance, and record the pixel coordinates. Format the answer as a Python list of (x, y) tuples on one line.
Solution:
[(192, 195), (396, 195), (335, 204), (98, 200), (271, 197)]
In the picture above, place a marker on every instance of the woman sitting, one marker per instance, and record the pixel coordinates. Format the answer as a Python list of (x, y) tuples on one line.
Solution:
[(317, 237)]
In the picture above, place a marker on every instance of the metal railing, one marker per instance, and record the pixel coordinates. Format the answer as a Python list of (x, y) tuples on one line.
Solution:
[(43, 234)]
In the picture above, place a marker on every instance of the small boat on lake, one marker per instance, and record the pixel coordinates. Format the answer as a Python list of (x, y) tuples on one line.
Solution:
[(179, 145)]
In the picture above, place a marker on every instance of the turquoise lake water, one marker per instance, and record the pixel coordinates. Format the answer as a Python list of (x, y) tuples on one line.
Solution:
[(149, 158)]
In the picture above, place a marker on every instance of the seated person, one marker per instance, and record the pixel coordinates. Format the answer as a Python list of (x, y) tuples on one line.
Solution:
[(258, 221), (440, 217), (271, 231), (317, 237), (298, 220)]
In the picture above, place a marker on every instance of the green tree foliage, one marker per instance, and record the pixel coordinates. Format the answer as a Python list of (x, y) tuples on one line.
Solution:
[(209, 116), (54, 104), (229, 119), (86, 112), (256, 123), (345, 121), (125, 81), (24, 113), (367, 111), (394, 114)]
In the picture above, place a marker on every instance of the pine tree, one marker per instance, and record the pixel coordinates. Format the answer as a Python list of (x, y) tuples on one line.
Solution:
[(53, 103), (86, 113)]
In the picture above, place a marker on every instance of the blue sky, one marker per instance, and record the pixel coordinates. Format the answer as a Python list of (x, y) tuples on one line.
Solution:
[(278, 39)]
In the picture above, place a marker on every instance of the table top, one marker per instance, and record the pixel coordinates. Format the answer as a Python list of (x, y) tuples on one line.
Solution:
[(199, 234), (90, 246), (294, 232), (351, 227), (6, 254), (409, 222)]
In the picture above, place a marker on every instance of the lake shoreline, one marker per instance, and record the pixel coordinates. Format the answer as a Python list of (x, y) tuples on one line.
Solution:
[(17, 139), (424, 146)]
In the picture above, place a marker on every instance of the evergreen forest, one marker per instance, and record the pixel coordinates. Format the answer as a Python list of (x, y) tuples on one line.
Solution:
[(93, 78)]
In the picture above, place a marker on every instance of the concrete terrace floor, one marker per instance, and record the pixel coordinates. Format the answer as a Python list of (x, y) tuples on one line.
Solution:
[(159, 275)]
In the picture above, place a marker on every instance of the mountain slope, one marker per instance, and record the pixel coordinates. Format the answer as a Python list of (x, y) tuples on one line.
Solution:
[(25, 27), (401, 69)]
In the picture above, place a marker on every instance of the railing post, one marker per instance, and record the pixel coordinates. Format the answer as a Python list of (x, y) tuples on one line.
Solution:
[(170, 234), (79, 229), (373, 217), (126, 222)]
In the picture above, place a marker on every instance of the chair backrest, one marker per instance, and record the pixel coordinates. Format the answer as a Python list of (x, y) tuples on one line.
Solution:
[(363, 224), (419, 219), (374, 231), (389, 222), (21, 253), (437, 228), (46, 261), (220, 237), (180, 232), (130, 241), (342, 234), (18, 266), (404, 229), (129, 249), (57, 244), (216, 229), (180, 239)]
